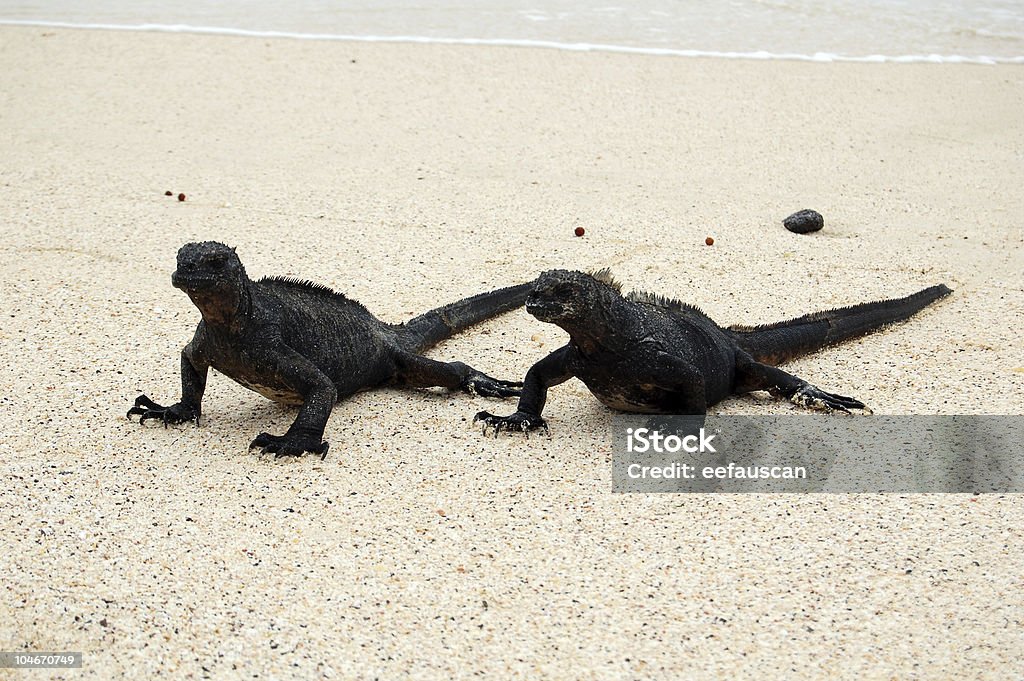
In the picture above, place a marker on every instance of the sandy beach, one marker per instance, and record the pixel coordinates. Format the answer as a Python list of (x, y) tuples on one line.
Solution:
[(406, 176)]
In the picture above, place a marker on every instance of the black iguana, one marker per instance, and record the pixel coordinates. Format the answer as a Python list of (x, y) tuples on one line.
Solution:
[(653, 355), (300, 343)]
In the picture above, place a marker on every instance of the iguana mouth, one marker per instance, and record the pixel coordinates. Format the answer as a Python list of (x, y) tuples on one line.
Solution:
[(193, 281), (542, 309)]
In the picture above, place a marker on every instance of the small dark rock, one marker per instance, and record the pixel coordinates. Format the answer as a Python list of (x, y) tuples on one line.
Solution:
[(804, 221)]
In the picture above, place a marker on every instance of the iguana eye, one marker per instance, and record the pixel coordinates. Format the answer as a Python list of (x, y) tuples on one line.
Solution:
[(564, 290), (217, 262)]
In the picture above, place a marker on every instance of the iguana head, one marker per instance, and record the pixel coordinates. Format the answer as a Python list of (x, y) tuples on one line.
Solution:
[(563, 297), (213, 277)]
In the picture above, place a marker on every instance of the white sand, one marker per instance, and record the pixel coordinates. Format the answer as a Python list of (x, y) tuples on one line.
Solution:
[(406, 176)]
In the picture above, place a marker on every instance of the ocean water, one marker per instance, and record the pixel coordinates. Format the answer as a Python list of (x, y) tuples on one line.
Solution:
[(985, 31)]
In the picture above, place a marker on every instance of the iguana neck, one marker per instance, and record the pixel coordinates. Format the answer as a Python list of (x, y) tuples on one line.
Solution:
[(225, 309), (606, 329)]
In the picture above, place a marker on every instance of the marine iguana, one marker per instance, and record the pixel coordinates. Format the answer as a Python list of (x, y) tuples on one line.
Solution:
[(648, 354), (301, 343)]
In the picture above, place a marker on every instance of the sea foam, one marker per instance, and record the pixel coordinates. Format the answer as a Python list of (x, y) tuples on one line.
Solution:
[(821, 57)]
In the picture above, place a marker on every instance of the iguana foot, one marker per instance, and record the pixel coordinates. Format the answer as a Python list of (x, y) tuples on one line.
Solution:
[(146, 409), (289, 445), (482, 384), (518, 421), (815, 398)]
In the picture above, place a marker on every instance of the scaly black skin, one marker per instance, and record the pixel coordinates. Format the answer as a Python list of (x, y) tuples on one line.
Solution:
[(302, 344), (647, 354)]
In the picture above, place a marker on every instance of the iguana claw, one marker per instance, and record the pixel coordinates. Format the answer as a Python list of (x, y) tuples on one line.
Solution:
[(815, 398), (484, 385), (147, 409), (518, 421), (289, 445)]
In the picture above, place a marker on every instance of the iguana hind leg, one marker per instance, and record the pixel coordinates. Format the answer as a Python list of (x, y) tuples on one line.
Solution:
[(751, 376), (417, 371)]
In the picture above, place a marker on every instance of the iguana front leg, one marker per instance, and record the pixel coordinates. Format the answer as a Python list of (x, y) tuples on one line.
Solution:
[(548, 372), (752, 375), (306, 434), (193, 385)]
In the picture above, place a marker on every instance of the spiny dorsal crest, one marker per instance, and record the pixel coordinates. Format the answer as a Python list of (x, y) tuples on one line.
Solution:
[(604, 275), (303, 284), (656, 300)]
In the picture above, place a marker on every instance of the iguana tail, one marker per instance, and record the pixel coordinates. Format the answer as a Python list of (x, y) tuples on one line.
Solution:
[(432, 327), (783, 341)]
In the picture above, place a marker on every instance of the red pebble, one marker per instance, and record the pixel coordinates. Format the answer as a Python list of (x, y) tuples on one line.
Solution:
[(579, 231), (168, 193), (709, 241), (181, 197)]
